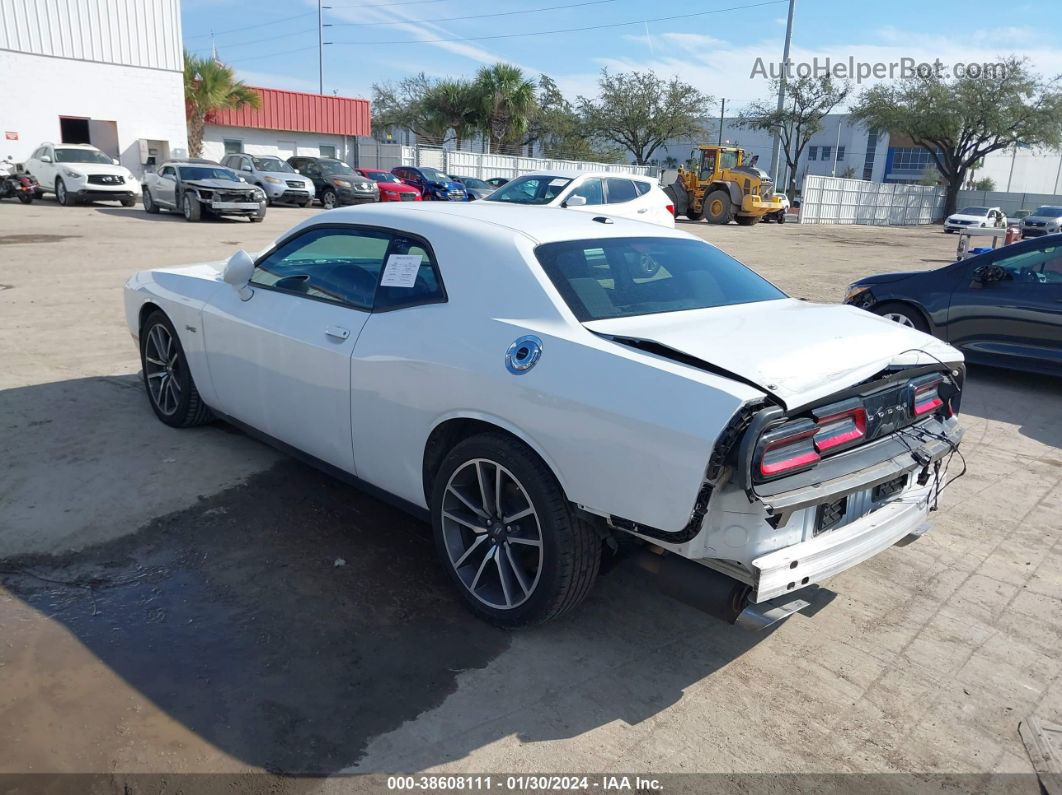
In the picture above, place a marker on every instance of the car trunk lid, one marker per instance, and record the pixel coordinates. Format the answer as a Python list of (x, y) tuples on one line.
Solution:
[(796, 351)]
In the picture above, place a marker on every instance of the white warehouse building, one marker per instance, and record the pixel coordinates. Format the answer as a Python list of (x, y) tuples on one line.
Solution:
[(100, 72)]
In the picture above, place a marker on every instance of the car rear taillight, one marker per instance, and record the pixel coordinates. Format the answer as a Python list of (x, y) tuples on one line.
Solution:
[(787, 449), (671, 209), (841, 428), (925, 395)]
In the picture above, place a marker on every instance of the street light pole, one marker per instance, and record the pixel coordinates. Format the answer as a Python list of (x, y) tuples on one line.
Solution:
[(722, 112), (776, 154), (320, 49)]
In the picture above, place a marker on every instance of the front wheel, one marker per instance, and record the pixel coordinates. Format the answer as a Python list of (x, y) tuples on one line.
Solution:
[(192, 209), (507, 536), (903, 314), (171, 390), (129, 202), (62, 195), (25, 197), (328, 199), (718, 208), (149, 203)]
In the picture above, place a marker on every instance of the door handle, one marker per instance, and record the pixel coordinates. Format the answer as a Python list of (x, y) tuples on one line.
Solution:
[(644, 210), (337, 332)]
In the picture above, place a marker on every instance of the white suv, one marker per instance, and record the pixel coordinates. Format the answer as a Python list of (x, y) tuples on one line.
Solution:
[(79, 172), (623, 195)]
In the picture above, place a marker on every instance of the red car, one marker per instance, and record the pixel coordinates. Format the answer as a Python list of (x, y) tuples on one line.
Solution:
[(392, 189)]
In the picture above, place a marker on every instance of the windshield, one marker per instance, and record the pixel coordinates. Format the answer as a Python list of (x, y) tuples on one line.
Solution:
[(433, 175), (272, 164), (383, 176), (530, 190), (82, 156), (623, 277), (208, 172), (1049, 212), (973, 211), (472, 182), (335, 167)]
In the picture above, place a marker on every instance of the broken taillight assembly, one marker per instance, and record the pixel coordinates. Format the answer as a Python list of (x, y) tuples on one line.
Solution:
[(788, 448), (925, 395)]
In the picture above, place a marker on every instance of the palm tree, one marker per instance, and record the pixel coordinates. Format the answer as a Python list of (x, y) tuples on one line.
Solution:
[(455, 105), (507, 103), (209, 86)]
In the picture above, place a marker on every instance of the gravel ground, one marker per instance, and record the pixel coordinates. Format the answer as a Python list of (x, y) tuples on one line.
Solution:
[(196, 602)]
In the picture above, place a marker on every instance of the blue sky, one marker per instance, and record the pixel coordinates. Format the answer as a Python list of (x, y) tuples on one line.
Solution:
[(276, 44)]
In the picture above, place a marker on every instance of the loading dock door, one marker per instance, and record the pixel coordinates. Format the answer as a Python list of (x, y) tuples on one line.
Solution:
[(104, 136), (74, 130)]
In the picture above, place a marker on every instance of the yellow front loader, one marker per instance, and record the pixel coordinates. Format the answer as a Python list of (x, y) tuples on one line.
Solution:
[(715, 184)]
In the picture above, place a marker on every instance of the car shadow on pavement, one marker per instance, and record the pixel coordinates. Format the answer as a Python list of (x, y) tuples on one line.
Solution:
[(291, 621), (1031, 401), (140, 214)]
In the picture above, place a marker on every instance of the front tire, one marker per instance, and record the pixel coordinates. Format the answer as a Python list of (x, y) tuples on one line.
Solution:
[(62, 195), (328, 199), (718, 208), (904, 314), (193, 211), (507, 536), (130, 202), (167, 379), (149, 204)]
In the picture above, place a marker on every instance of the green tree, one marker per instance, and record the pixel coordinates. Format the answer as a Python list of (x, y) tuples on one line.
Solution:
[(211, 86), (403, 105), (807, 102), (560, 130), (507, 103), (959, 120), (985, 184), (455, 105), (639, 112), (929, 177)]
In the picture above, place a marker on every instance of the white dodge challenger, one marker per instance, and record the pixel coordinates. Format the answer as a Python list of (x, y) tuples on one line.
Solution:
[(554, 389)]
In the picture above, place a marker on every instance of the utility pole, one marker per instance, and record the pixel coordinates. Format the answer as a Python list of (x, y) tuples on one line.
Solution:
[(321, 45), (722, 111), (837, 146), (775, 155)]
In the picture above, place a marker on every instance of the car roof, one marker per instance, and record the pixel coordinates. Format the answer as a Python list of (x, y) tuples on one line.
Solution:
[(541, 224), (72, 146), (177, 161), (576, 174)]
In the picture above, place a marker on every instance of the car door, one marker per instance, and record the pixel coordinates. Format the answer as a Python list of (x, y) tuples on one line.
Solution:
[(1009, 309), (621, 197), (46, 168), (164, 189), (280, 360), (592, 189)]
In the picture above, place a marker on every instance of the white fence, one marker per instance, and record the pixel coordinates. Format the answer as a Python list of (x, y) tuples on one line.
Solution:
[(484, 166), (834, 200)]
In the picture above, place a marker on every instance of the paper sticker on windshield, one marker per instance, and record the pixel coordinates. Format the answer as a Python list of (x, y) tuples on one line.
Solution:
[(559, 183), (401, 270)]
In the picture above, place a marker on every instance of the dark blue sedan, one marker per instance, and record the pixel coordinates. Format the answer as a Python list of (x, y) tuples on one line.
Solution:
[(1001, 308)]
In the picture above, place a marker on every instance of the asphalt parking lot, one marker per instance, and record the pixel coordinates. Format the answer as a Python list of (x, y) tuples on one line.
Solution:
[(192, 601)]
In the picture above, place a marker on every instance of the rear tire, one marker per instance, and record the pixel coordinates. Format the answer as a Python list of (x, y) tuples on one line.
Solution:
[(167, 379), (527, 563), (747, 220), (781, 217), (25, 198), (694, 215), (718, 208), (904, 314)]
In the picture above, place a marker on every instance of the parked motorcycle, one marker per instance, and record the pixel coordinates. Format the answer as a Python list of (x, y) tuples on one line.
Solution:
[(22, 186)]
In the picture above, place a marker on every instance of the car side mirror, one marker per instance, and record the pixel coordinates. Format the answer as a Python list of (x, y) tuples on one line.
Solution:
[(988, 274), (575, 201), (45, 159), (238, 272), (116, 161)]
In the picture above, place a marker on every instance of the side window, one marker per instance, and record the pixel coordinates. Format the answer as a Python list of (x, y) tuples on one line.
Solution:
[(1039, 266), (329, 264), (427, 289), (311, 169), (642, 187), (620, 190), (591, 191), (168, 171)]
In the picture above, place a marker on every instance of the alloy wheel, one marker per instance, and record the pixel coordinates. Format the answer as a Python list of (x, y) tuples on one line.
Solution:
[(328, 200), (492, 534), (897, 317), (162, 367), (60, 193), (188, 207)]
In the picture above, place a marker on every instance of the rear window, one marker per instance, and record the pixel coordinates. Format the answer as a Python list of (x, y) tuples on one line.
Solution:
[(623, 277)]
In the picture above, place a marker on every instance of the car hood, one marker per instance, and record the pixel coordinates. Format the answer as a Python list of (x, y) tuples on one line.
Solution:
[(219, 184), (97, 168), (285, 175), (1042, 219), (795, 351), (393, 187), (480, 193), (972, 218), (885, 278)]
